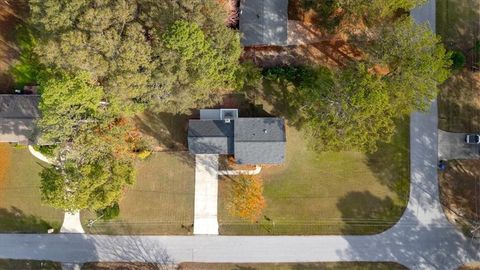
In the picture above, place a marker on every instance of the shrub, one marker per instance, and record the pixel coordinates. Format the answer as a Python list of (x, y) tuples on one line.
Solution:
[(109, 213), (144, 154), (458, 59), (46, 150)]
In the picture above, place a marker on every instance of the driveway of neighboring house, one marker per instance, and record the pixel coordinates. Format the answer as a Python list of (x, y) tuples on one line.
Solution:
[(264, 22), (206, 194), (452, 146)]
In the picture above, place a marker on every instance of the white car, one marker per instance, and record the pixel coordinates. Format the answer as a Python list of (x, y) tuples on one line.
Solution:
[(472, 139)]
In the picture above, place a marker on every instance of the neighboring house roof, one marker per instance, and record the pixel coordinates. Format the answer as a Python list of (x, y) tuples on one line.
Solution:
[(19, 106), (250, 140), (17, 117), (264, 22)]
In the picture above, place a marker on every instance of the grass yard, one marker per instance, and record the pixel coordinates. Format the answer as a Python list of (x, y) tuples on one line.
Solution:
[(20, 206), (460, 192), (294, 266), (329, 193), (161, 202), (458, 22)]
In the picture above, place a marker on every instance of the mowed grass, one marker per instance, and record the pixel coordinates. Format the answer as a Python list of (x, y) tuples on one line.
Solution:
[(294, 266), (458, 22), (21, 209), (329, 193), (161, 201)]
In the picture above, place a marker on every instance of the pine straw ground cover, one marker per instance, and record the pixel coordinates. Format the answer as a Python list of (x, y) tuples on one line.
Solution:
[(460, 193)]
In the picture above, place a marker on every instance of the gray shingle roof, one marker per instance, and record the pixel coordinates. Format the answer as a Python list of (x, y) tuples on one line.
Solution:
[(210, 128), (251, 140), (259, 152), (259, 130), (17, 117), (210, 145), (264, 22), (210, 137), (19, 106)]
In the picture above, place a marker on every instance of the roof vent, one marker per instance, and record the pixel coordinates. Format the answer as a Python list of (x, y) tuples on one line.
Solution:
[(227, 120), (265, 131)]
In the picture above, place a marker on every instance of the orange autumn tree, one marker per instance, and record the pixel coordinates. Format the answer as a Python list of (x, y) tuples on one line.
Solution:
[(246, 197)]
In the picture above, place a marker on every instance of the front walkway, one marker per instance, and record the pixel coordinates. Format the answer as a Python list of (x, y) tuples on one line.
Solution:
[(72, 223), (206, 195)]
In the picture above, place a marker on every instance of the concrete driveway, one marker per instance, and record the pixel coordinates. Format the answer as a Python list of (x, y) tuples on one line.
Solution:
[(206, 194), (452, 146)]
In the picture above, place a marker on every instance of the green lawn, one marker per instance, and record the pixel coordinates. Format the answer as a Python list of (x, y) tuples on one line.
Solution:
[(161, 202), (294, 266), (458, 22), (20, 206), (330, 193)]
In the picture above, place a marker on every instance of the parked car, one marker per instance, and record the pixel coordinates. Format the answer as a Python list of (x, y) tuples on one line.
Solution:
[(472, 139)]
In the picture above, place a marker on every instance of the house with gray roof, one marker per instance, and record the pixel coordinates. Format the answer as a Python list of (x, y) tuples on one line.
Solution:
[(18, 114), (250, 140), (264, 22)]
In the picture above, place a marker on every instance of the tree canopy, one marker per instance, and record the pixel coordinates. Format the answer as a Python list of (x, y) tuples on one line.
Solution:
[(95, 146), (139, 51), (370, 12), (246, 197), (68, 103), (196, 69), (353, 108)]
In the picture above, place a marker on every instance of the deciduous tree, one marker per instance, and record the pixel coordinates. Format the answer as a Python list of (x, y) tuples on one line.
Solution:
[(246, 197)]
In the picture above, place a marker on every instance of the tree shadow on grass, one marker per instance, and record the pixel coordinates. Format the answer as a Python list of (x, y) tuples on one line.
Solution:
[(391, 162), (168, 130), (364, 213), (15, 220)]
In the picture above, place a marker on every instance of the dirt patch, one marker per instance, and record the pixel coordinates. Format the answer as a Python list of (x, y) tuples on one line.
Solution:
[(329, 53), (11, 14), (460, 192)]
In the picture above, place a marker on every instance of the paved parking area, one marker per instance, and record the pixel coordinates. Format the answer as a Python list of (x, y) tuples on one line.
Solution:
[(452, 146), (206, 194)]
